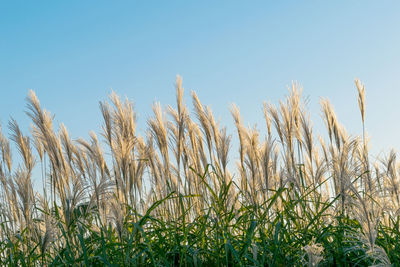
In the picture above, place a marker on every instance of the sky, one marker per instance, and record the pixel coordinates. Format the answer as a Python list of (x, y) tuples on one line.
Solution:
[(73, 53)]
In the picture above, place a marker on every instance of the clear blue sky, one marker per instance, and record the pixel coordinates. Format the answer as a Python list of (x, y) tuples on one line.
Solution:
[(73, 52)]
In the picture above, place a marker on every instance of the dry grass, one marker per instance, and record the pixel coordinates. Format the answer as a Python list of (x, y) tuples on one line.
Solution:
[(167, 197)]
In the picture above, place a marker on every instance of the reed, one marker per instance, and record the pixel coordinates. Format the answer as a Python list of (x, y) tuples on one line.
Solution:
[(167, 196)]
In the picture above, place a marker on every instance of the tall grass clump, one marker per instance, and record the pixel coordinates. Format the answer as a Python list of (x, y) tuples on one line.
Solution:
[(169, 197)]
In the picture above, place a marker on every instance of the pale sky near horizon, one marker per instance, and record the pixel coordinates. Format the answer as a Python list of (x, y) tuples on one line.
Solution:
[(72, 53)]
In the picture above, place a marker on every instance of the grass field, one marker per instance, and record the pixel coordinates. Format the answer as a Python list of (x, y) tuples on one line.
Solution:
[(168, 198)]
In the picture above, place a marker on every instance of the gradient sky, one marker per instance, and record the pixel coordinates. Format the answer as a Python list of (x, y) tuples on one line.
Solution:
[(72, 53)]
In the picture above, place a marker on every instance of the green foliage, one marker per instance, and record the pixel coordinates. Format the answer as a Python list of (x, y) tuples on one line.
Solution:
[(223, 236)]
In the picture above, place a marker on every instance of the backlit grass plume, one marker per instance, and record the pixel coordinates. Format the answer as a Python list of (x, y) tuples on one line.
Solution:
[(187, 192)]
